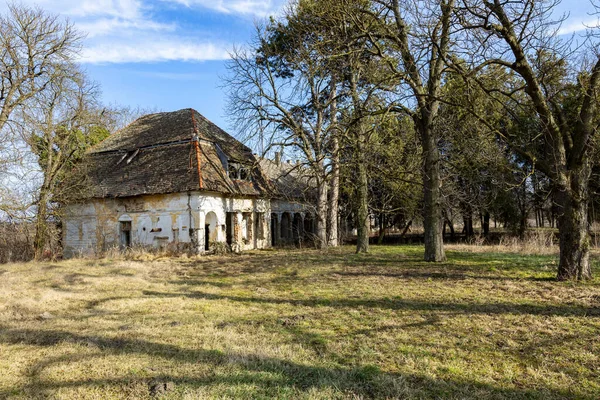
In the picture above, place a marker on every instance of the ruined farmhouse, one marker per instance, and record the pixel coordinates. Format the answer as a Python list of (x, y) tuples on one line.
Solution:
[(176, 179)]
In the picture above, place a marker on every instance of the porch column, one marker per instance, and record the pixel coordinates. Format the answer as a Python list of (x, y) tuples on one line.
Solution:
[(198, 236), (250, 230), (237, 239), (278, 233)]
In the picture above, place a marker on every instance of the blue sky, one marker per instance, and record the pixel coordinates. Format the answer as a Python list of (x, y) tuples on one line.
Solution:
[(169, 54), (162, 54)]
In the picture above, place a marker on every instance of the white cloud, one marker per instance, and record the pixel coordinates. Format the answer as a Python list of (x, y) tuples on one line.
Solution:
[(258, 8), (172, 76), (127, 9), (153, 51), (107, 26), (570, 27), (130, 31)]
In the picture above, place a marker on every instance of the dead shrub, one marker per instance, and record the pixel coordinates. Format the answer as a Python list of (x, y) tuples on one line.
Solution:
[(536, 241), (219, 248), (16, 242)]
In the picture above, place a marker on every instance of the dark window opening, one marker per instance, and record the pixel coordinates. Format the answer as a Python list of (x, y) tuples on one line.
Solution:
[(206, 237), (229, 228), (232, 171), (274, 229), (238, 171)]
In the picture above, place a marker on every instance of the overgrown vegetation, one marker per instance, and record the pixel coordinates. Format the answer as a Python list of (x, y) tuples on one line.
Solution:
[(50, 114), (301, 324)]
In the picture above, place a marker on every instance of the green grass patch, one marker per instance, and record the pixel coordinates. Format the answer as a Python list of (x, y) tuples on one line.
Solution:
[(300, 324)]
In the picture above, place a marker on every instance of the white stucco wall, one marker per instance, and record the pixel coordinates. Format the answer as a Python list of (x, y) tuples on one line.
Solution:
[(160, 220)]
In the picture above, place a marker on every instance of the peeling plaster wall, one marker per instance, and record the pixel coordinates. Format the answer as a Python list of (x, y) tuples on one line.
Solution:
[(161, 220), (156, 220)]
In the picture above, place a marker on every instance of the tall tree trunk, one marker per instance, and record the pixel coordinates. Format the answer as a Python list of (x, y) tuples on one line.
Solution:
[(432, 208), (382, 228), (333, 208), (334, 196), (486, 223), (468, 224), (573, 227), (322, 214), (467, 220), (362, 199), (361, 192), (523, 222), (334, 189), (41, 224)]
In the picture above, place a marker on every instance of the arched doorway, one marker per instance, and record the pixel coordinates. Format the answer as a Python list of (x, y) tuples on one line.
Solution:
[(211, 234)]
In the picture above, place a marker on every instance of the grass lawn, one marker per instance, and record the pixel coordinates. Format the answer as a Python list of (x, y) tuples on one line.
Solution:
[(300, 324)]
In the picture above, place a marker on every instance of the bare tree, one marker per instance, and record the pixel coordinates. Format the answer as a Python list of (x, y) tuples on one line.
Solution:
[(286, 96), (36, 49), (522, 38), (58, 126)]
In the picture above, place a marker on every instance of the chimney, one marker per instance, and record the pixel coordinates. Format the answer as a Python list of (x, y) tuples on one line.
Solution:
[(277, 157)]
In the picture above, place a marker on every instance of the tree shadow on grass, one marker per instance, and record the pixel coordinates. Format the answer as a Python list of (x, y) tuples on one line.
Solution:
[(461, 265), (449, 275), (267, 376), (253, 263), (400, 304), (199, 282)]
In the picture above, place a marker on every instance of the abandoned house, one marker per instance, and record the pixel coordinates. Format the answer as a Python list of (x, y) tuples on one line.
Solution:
[(176, 179)]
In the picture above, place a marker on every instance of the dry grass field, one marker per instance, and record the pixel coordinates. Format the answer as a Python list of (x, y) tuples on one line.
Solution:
[(300, 324)]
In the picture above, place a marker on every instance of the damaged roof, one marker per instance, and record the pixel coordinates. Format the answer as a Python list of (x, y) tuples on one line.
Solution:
[(170, 152), (288, 180)]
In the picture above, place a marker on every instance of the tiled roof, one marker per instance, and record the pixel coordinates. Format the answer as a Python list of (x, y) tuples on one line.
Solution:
[(169, 152)]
